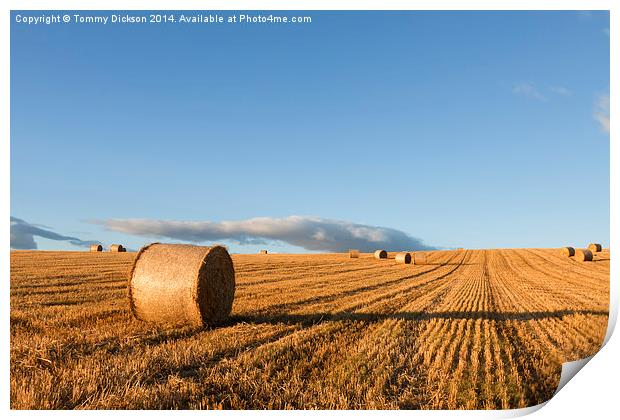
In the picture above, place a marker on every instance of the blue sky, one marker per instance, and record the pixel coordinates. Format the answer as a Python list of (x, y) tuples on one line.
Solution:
[(459, 129)]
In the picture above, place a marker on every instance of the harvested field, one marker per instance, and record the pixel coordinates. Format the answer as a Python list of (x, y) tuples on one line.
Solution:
[(469, 329)]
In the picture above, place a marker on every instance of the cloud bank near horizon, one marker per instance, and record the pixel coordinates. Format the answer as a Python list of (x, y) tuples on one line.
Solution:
[(23, 233), (310, 233)]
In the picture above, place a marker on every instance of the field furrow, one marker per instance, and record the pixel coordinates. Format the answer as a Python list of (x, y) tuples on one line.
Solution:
[(470, 329)]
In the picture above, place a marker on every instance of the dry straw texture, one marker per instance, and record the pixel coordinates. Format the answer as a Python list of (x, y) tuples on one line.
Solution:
[(182, 284), (96, 248), (419, 258), (595, 247), (475, 329), (380, 254), (117, 248), (567, 251), (354, 253), (403, 258), (583, 255)]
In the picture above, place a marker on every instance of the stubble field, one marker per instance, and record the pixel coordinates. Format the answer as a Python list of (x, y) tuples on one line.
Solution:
[(470, 329)]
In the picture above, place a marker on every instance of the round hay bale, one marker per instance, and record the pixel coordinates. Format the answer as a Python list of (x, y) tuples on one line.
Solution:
[(403, 258), (96, 248), (419, 258), (380, 254), (262, 251), (354, 253), (567, 251), (182, 284), (117, 248), (583, 255), (595, 247)]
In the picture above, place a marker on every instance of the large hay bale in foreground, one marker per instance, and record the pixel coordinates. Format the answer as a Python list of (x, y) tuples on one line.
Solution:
[(96, 248), (583, 255), (403, 258), (182, 284), (567, 251), (595, 247), (380, 254), (419, 258), (117, 248)]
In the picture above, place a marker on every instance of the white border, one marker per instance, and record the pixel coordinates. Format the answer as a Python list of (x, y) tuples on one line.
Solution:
[(309, 5), (592, 393)]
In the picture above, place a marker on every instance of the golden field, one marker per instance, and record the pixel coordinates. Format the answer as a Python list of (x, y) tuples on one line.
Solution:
[(470, 329)]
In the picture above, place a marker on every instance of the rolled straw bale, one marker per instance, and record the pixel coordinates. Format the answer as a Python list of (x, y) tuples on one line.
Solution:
[(595, 247), (568, 251), (583, 255), (96, 248), (403, 258), (182, 284), (354, 253), (419, 258), (117, 248), (380, 254), (262, 251)]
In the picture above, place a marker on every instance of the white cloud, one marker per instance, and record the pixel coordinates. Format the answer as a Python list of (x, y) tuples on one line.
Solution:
[(311, 233), (601, 112), (560, 90), (528, 90)]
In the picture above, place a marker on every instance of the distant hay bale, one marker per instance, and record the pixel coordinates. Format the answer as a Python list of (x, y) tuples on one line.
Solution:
[(354, 253), (263, 251), (595, 247), (117, 248), (567, 251), (583, 255), (96, 248), (419, 258), (182, 284), (380, 254), (403, 258)]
